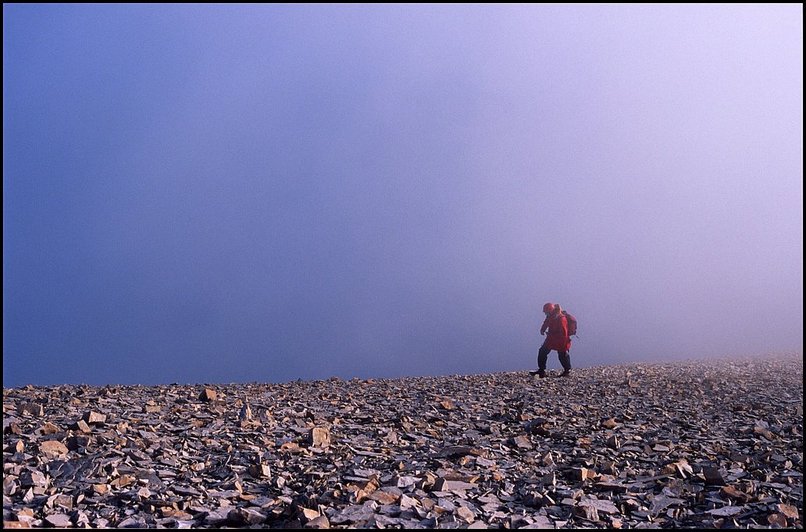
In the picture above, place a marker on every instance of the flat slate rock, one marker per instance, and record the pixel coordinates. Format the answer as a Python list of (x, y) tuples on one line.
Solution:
[(712, 443)]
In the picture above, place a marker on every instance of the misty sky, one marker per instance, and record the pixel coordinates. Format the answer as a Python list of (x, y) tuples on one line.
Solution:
[(239, 193)]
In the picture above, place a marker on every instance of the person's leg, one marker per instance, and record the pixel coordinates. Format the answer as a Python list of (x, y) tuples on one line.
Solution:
[(542, 358), (565, 360)]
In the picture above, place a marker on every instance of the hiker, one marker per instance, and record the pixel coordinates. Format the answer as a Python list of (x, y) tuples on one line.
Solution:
[(555, 327)]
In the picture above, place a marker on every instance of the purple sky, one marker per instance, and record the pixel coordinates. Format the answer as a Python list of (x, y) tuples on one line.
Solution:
[(213, 193)]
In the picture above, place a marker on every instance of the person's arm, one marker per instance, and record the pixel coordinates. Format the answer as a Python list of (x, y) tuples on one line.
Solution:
[(544, 326)]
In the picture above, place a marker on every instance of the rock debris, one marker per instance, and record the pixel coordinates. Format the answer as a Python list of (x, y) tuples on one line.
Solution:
[(690, 444)]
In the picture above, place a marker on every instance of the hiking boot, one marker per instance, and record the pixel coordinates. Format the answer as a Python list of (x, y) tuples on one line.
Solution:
[(565, 373), (541, 373)]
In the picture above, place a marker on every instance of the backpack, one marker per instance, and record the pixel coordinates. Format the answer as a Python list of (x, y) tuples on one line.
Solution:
[(572, 323)]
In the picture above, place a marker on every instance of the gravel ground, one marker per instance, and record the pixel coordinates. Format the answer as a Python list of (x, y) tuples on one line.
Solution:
[(687, 444)]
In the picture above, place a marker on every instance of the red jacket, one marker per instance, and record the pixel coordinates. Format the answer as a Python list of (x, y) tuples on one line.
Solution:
[(557, 337)]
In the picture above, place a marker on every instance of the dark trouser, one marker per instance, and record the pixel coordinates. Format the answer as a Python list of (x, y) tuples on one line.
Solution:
[(543, 355)]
